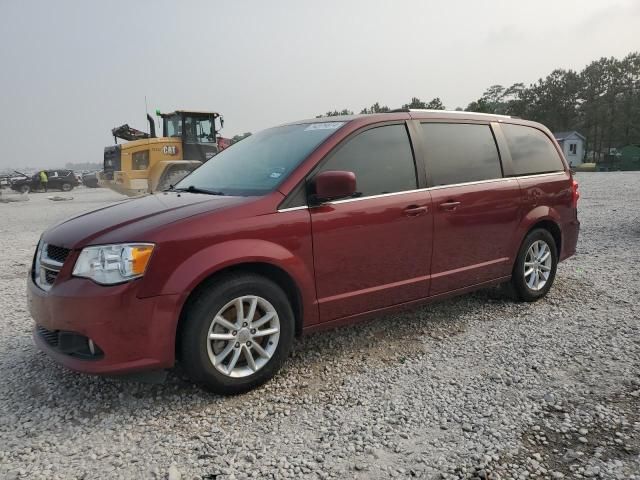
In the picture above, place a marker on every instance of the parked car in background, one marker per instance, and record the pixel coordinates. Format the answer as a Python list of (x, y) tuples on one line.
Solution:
[(60, 179), (90, 179), (300, 227), (7, 178)]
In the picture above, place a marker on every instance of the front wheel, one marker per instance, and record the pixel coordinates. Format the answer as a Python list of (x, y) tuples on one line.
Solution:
[(236, 333), (535, 267), (25, 189), (67, 187)]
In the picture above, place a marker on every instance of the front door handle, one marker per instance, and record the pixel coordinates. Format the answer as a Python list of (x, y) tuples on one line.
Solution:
[(450, 205), (415, 210)]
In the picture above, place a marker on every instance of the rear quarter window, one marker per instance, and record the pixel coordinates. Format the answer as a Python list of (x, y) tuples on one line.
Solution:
[(531, 150)]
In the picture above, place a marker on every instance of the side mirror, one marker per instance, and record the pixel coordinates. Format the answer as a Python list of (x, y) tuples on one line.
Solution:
[(334, 184)]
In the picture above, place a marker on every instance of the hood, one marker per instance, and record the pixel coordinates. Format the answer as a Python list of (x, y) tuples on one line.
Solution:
[(135, 219)]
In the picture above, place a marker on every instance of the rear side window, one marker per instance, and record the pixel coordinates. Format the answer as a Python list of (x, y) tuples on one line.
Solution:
[(460, 153), (531, 150), (381, 159)]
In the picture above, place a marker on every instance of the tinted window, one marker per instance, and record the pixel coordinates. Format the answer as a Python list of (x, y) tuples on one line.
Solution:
[(381, 158), (531, 150), (460, 152)]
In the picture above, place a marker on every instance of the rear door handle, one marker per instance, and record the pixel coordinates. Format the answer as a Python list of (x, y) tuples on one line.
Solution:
[(415, 210), (450, 205)]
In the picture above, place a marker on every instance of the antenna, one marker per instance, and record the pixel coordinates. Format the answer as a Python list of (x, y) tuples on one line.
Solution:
[(146, 108)]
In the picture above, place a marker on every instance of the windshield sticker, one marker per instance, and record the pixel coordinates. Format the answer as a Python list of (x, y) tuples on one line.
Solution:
[(324, 126), (277, 172)]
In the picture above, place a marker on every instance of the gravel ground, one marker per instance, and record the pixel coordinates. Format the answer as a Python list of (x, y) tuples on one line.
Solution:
[(475, 387)]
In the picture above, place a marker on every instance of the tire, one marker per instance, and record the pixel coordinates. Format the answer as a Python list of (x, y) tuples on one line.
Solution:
[(218, 298), (529, 288), (25, 189), (66, 187)]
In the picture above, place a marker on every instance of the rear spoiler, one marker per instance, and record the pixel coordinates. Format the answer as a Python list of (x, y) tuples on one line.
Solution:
[(125, 132)]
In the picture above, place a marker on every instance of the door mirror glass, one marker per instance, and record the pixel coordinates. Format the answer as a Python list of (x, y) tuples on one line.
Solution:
[(333, 184)]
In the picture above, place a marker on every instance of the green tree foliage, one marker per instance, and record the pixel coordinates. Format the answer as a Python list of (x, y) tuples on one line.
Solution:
[(415, 103), (237, 138), (376, 108), (336, 113), (602, 102), (436, 104)]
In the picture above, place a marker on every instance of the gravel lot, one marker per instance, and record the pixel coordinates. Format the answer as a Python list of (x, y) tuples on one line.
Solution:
[(475, 387)]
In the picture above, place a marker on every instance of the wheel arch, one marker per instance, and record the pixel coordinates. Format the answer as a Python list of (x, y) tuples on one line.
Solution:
[(540, 217), (553, 228), (272, 272)]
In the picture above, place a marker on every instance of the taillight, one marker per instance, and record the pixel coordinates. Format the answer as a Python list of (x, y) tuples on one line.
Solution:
[(575, 194)]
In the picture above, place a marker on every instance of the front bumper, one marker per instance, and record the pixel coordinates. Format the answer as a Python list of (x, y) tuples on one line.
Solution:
[(129, 333)]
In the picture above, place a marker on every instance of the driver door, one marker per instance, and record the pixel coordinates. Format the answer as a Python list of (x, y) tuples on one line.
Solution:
[(373, 251)]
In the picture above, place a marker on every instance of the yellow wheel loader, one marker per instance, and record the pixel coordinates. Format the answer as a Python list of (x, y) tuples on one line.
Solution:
[(146, 163)]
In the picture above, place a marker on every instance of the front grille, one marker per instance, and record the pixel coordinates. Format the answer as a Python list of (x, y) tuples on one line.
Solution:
[(50, 276), (58, 254), (48, 263)]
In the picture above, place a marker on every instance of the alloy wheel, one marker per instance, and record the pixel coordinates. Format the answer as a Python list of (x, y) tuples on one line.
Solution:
[(243, 336), (537, 265)]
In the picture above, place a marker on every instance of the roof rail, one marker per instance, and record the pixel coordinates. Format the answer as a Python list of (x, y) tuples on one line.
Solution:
[(459, 112)]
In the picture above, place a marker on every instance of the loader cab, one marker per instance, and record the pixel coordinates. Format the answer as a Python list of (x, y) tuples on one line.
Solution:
[(197, 130)]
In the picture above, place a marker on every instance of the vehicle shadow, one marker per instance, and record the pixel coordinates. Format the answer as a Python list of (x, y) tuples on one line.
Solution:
[(320, 364), (318, 361)]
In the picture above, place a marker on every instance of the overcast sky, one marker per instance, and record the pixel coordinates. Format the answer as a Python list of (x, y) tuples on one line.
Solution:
[(72, 70)]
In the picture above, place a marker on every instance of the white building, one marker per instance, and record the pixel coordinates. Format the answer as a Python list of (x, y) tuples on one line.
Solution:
[(572, 144)]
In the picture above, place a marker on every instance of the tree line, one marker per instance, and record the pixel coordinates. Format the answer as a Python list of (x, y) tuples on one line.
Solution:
[(237, 138), (602, 102), (435, 104)]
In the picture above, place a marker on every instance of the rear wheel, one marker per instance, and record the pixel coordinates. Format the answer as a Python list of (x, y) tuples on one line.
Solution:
[(236, 333), (535, 267), (25, 189)]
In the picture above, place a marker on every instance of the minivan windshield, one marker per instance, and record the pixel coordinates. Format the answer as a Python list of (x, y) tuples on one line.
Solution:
[(257, 164)]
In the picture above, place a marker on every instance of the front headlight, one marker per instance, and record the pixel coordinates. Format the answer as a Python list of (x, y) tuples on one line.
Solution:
[(111, 264)]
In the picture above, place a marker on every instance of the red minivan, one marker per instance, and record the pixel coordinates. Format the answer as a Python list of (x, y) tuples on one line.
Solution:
[(308, 225)]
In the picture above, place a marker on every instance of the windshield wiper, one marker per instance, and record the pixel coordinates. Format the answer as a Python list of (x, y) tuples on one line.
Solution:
[(192, 189)]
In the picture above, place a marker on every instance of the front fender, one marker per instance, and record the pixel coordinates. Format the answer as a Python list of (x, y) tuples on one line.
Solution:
[(204, 263)]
